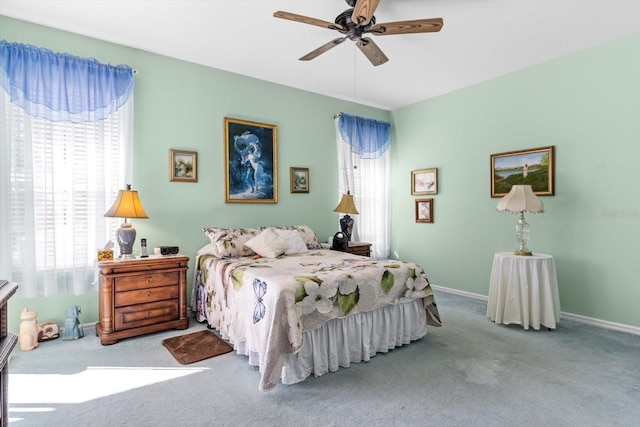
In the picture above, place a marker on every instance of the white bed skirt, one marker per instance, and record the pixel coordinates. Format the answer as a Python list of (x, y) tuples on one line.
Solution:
[(351, 339)]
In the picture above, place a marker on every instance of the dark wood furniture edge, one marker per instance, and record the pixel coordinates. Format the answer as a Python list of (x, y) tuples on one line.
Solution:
[(7, 343)]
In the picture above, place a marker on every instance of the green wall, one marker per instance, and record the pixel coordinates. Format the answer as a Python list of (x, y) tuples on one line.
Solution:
[(587, 105), (180, 105)]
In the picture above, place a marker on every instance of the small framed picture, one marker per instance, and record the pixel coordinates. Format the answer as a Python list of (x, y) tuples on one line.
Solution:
[(183, 166), (299, 178), (424, 210), (424, 181)]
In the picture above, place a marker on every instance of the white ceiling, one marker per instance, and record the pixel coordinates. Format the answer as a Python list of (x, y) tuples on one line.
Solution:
[(480, 39)]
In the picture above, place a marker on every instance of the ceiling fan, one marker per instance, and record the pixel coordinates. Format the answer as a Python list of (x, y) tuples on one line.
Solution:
[(356, 22)]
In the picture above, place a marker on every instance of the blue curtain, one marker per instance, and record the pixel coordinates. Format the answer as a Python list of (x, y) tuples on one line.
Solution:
[(60, 86), (367, 137)]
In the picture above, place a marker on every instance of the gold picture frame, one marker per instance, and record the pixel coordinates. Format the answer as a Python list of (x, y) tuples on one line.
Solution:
[(299, 180), (183, 166), (424, 210), (424, 181), (533, 167), (251, 162)]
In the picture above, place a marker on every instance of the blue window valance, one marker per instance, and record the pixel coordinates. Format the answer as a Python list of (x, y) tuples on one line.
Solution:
[(60, 86), (367, 137)]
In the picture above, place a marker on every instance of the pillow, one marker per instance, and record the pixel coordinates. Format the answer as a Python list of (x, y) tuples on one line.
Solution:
[(308, 235), (230, 242), (213, 233), (206, 249), (267, 244), (293, 241)]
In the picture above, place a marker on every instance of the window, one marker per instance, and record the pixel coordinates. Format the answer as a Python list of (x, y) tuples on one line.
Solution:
[(363, 170), (62, 178), (66, 127)]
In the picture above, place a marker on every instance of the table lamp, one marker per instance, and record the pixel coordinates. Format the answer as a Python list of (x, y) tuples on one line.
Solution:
[(346, 206), (521, 199), (127, 205)]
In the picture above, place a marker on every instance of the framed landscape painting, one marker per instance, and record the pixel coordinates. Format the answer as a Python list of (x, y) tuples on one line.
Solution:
[(251, 165), (534, 167), (183, 166), (299, 178)]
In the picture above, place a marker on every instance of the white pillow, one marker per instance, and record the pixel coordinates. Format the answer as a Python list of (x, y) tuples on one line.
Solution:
[(293, 240), (207, 249), (267, 244)]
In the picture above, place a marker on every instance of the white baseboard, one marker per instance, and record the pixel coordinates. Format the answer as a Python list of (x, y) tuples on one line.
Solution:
[(459, 292), (577, 317), (621, 327)]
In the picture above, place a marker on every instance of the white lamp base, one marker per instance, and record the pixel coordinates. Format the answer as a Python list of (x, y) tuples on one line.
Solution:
[(126, 235)]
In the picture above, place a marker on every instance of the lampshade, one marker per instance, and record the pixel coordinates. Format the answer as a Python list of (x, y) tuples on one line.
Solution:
[(346, 205), (521, 199), (127, 205)]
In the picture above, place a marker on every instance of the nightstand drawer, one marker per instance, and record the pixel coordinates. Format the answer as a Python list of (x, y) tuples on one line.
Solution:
[(143, 281), (136, 266), (146, 314), (363, 249), (141, 296)]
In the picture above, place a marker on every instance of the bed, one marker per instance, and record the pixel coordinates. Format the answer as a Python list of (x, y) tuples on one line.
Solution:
[(297, 309)]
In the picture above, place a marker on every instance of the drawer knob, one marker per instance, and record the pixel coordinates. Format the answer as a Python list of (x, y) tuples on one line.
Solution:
[(148, 293), (148, 314), (149, 279)]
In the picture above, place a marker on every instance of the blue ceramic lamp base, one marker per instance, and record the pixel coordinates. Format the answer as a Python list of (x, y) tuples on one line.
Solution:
[(346, 226)]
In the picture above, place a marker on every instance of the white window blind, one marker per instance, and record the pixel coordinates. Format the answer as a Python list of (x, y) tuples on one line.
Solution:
[(57, 179)]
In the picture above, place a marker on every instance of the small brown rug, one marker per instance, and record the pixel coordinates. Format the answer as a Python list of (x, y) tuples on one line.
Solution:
[(197, 346)]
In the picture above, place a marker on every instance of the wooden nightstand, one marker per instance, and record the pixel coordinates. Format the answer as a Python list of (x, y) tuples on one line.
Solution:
[(141, 296), (360, 248)]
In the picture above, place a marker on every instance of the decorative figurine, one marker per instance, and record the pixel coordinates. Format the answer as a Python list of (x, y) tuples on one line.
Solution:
[(72, 327), (28, 336), (48, 331)]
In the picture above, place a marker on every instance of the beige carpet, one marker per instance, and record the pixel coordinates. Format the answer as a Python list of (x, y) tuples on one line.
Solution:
[(196, 346)]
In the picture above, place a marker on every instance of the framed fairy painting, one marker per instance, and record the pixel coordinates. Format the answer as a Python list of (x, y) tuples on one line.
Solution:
[(251, 166)]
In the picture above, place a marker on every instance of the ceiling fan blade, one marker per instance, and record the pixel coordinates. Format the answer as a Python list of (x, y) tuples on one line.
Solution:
[(307, 20), (406, 27), (363, 11), (322, 49), (371, 51)]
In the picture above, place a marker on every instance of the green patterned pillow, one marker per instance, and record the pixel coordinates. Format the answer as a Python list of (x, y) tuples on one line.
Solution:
[(229, 242)]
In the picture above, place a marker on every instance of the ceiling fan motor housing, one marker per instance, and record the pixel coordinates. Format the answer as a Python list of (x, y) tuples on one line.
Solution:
[(351, 29)]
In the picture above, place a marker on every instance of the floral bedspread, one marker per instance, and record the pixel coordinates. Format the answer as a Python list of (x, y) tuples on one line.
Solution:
[(267, 304)]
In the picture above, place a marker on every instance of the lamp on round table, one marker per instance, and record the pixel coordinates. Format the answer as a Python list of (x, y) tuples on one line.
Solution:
[(521, 199)]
